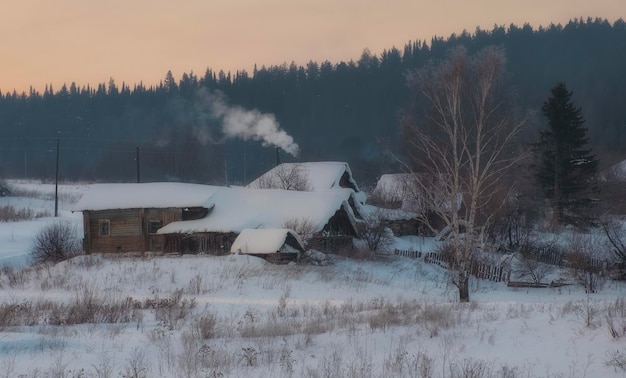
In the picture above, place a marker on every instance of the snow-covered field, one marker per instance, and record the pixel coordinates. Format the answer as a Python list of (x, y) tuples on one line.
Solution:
[(238, 316)]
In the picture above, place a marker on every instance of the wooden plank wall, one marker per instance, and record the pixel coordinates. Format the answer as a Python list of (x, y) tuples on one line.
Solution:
[(129, 230)]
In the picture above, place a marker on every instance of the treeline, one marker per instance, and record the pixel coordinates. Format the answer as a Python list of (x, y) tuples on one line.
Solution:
[(335, 111)]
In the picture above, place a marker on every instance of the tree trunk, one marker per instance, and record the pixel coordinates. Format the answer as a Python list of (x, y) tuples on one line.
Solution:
[(463, 287)]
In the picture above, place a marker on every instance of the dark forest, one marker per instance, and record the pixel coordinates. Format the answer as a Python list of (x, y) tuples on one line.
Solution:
[(348, 111)]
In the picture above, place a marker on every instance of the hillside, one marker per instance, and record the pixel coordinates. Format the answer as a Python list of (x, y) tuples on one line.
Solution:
[(233, 316)]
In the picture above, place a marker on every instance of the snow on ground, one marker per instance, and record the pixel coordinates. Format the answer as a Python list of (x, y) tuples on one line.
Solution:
[(235, 316), (16, 238)]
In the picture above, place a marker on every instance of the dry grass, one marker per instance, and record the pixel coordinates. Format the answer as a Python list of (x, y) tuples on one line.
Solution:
[(9, 213), (195, 339)]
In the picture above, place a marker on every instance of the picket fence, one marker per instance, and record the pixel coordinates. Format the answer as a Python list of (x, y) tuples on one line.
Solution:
[(479, 270), (551, 256)]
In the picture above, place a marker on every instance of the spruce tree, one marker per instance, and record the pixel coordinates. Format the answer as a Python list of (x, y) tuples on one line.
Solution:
[(566, 165)]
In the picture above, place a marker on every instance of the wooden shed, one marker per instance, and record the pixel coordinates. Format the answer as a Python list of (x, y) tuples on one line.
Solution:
[(274, 245)]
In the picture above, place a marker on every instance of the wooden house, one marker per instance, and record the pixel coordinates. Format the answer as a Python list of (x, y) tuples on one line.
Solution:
[(188, 218), (126, 217), (328, 218)]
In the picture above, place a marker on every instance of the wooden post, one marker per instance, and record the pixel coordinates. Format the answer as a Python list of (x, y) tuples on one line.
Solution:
[(138, 166), (56, 185)]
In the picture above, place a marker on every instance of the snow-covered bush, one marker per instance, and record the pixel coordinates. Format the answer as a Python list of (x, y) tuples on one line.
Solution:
[(56, 242), (376, 234)]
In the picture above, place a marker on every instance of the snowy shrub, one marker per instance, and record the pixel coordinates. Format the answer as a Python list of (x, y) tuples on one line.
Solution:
[(377, 236), (617, 360), (17, 277), (249, 356), (616, 318), (528, 267), (204, 327), (5, 189), (55, 243), (583, 264), (136, 365)]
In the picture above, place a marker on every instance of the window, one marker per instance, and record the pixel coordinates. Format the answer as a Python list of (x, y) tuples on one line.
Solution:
[(105, 227), (154, 225)]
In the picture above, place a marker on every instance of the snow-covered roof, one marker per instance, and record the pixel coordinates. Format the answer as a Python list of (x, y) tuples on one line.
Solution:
[(395, 186), (308, 176), (616, 171), (237, 209), (401, 188), (414, 191), (264, 241), (389, 214), (145, 195)]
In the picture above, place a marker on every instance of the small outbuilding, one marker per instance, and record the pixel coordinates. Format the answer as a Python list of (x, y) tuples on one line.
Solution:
[(275, 245)]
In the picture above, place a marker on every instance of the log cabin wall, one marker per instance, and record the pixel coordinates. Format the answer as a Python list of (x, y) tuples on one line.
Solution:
[(212, 243), (155, 219), (129, 230)]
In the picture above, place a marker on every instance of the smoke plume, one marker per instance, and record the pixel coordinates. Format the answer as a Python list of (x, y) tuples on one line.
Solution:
[(237, 122)]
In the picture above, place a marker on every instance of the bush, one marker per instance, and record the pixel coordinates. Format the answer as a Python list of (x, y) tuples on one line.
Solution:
[(5, 189), (375, 232), (55, 243)]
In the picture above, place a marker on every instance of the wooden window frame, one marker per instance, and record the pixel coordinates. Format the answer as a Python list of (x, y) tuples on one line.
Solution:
[(108, 227), (152, 222)]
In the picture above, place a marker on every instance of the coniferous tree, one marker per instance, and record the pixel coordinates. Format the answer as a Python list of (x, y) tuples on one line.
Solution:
[(566, 166)]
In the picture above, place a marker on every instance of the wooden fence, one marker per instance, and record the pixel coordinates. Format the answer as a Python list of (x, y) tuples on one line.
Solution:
[(500, 274), (478, 270), (408, 253), (553, 256)]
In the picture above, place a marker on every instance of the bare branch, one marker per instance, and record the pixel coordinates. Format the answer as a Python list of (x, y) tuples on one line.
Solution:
[(462, 147)]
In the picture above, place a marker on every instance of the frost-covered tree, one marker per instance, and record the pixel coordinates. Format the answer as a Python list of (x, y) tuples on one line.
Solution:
[(464, 143)]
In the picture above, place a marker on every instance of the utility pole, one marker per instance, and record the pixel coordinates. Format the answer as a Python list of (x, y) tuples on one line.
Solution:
[(138, 166), (225, 172), (56, 185)]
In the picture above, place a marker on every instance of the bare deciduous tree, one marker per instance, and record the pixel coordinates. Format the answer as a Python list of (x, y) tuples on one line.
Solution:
[(464, 144), (583, 263), (614, 231), (287, 177)]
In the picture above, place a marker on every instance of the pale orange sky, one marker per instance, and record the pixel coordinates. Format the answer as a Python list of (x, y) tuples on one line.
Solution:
[(90, 41)]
